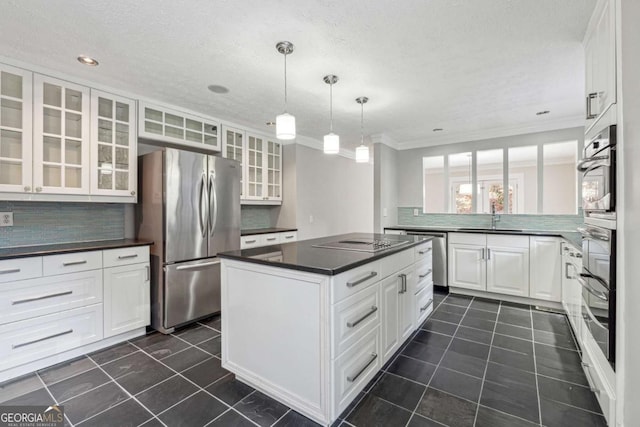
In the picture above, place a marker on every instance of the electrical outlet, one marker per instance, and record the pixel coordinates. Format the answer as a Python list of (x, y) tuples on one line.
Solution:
[(416, 212), (6, 219), (384, 212), (310, 219)]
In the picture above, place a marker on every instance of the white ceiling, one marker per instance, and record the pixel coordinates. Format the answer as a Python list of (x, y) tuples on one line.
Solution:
[(472, 67)]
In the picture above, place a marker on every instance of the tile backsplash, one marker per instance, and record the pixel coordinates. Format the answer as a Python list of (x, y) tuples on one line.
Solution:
[(38, 223), (528, 222), (256, 217)]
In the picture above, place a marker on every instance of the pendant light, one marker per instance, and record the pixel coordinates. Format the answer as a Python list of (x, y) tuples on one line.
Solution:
[(285, 122), (331, 140), (362, 152)]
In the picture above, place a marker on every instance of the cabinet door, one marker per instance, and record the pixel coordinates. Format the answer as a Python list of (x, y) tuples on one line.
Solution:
[(606, 56), (274, 171), (390, 301), (233, 141), (406, 302), (60, 137), (113, 145), (467, 266), (126, 298), (15, 129), (508, 270), (545, 269), (254, 170)]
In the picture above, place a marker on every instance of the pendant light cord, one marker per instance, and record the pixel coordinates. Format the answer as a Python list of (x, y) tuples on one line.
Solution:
[(331, 108), (285, 82), (362, 123)]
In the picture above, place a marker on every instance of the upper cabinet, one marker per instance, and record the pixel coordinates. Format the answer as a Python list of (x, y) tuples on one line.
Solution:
[(60, 136), (173, 127), (233, 148), (15, 129), (113, 145), (600, 64)]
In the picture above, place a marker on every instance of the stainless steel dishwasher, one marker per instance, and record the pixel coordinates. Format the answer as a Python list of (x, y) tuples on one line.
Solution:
[(439, 255)]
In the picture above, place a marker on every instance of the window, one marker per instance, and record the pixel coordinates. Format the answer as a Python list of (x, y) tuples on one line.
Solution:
[(523, 176), (560, 178), (460, 183), (490, 181)]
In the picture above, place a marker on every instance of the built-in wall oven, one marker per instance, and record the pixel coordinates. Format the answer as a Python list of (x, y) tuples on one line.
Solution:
[(598, 281), (598, 168)]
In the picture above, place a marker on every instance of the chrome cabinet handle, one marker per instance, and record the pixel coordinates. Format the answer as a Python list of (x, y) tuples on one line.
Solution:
[(38, 189), (249, 241), (488, 253), (587, 373), (352, 378), (270, 239), (59, 294), (426, 305), (27, 188), (425, 251), (70, 263), (422, 276), (133, 193), (288, 237), (482, 253), (361, 280), (403, 287), (11, 270), (59, 334), (148, 272), (369, 313), (590, 98), (127, 256)]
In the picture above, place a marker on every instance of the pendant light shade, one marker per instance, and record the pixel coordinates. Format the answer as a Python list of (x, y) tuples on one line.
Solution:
[(331, 140), (362, 151), (285, 122)]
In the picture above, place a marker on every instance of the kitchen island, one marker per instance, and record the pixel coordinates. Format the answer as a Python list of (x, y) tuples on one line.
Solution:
[(310, 323)]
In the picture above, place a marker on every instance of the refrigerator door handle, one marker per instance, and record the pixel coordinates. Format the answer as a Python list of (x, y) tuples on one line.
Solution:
[(213, 204), (203, 225)]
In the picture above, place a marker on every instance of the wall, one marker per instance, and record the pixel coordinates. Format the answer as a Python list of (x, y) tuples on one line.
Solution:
[(410, 174), (559, 182), (38, 223), (628, 344), (385, 187), (287, 215), (336, 191)]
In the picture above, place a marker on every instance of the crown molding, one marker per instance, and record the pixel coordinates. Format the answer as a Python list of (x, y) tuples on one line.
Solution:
[(383, 138), (564, 123)]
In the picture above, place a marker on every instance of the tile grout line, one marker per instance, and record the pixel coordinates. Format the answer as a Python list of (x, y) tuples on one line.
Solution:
[(486, 366), (69, 377), (535, 369), (52, 396), (283, 415)]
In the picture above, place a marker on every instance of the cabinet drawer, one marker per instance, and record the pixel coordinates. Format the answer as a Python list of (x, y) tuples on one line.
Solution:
[(423, 252), (353, 281), (353, 317), (124, 256), (251, 241), (271, 239), (71, 263), (20, 268), (45, 295), (394, 263), (424, 304), (354, 369), (424, 276), (29, 340), (595, 377), (288, 236)]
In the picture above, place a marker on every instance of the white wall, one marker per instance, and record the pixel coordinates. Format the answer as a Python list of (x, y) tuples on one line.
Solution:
[(559, 189), (385, 187), (336, 191), (287, 214)]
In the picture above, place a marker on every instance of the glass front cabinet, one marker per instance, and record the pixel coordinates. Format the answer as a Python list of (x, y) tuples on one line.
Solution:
[(113, 145), (15, 130)]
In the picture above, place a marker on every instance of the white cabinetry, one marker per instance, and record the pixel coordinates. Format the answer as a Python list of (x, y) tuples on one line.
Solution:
[(126, 298), (167, 126), (113, 145), (571, 289), (546, 267), (233, 148), (60, 137), (600, 56), (256, 240), (15, 129), (467, 264), (508, 265), (263, 170), (390, 288)]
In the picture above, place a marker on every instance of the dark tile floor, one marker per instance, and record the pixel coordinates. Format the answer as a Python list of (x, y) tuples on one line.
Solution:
[(474, 362)]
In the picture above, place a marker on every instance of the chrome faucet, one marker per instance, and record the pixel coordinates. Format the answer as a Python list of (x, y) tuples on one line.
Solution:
[(494, 218)]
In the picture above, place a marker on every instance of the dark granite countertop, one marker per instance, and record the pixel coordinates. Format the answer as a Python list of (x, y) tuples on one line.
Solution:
[(63, 248), (251, 231), (303, 256), (572, 237)]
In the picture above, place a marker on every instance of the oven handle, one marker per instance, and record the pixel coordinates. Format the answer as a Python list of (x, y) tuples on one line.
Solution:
[(585, 232), (581, 164), (598, 279), (600, 295), (591, 316)]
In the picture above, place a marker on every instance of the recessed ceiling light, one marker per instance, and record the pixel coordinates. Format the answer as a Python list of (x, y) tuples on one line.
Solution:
[(541, 113), (438, 129), (87, 60), (217, 89), (270, 123)]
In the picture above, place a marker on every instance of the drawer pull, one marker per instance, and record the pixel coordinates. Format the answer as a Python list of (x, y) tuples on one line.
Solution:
[(422, 276), (148, 272), (587, 373), (12, 270), (288, 237), (59, 334), (426, 251), (70, 263), (364, 279), (59, 294), (270, 239), (352, 378), (369, 313), (127, 256), (426, 305), (250, 241), (403, 288)]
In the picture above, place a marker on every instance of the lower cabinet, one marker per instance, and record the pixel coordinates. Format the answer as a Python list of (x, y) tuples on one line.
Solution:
[(467, 266), (545, 273), (126, 298), (390, 301), (508, 265)]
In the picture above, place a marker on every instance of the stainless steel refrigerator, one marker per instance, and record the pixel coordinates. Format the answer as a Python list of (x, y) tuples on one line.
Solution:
[(189, 205)]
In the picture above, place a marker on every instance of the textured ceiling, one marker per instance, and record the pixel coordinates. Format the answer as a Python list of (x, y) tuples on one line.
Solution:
[(472, 67)]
